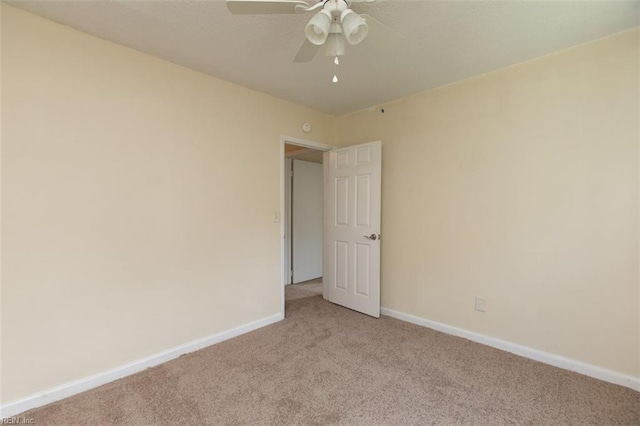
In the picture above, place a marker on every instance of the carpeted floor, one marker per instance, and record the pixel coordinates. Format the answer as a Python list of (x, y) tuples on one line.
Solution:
[(305, 289), (328, 365)]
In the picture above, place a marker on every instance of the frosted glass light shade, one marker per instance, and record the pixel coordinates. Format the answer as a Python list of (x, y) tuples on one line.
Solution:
[(318, 28), (335, 45), (354, 27)]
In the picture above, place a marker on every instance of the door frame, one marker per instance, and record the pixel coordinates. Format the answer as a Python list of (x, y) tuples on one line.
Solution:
[(284, 139)]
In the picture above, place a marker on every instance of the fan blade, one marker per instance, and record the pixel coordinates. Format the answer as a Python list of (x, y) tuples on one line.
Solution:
[(303, 9), (264, 6), (378, 29), (307, 52)]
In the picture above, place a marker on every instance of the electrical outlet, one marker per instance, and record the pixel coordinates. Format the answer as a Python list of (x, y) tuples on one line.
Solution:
[(481, 304)]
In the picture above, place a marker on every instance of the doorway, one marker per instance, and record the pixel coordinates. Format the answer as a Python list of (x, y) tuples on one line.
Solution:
[(302, 206), (303, 215)]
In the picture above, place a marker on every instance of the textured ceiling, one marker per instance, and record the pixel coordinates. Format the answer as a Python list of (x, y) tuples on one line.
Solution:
[(444, 41)]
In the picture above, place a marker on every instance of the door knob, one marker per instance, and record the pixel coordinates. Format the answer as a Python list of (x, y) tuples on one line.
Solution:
[(371, 237)]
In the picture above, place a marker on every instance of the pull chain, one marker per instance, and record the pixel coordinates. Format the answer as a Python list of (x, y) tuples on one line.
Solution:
[(336, 62)]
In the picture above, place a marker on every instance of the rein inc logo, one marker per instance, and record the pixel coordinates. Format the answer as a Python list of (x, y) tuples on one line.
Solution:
[(17, 421)]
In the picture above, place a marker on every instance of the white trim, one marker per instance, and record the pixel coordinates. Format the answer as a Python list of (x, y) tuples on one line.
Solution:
[(284, 139), (72, 388), (325, 228), (305, 143), (286, 218), (524, 351)]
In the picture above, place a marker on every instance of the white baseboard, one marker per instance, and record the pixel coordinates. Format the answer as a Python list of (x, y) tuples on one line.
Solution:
[(535, 354), (72, 388)]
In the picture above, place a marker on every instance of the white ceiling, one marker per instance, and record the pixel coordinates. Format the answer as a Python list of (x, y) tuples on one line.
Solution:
[(444, 41)]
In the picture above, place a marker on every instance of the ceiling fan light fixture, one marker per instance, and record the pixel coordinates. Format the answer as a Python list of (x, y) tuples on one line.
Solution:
[(335, 45), (317, 29), (354, 26)]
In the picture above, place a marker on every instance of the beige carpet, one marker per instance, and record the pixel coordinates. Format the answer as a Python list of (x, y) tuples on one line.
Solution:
[(328, 365)]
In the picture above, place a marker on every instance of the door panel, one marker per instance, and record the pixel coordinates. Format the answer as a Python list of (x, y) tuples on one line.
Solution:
[(353, 205), (362, 269), (342, 201), (341, 262), (363, 200)]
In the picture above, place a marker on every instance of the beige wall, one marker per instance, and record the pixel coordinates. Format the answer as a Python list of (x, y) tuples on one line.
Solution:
[(138, 205), (520, 186)]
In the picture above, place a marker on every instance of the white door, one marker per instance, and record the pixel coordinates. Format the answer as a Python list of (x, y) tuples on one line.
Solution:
[(307, 205), (352, 276)]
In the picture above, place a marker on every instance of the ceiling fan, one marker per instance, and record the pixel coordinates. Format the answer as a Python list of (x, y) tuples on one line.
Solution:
[(333, 24)]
